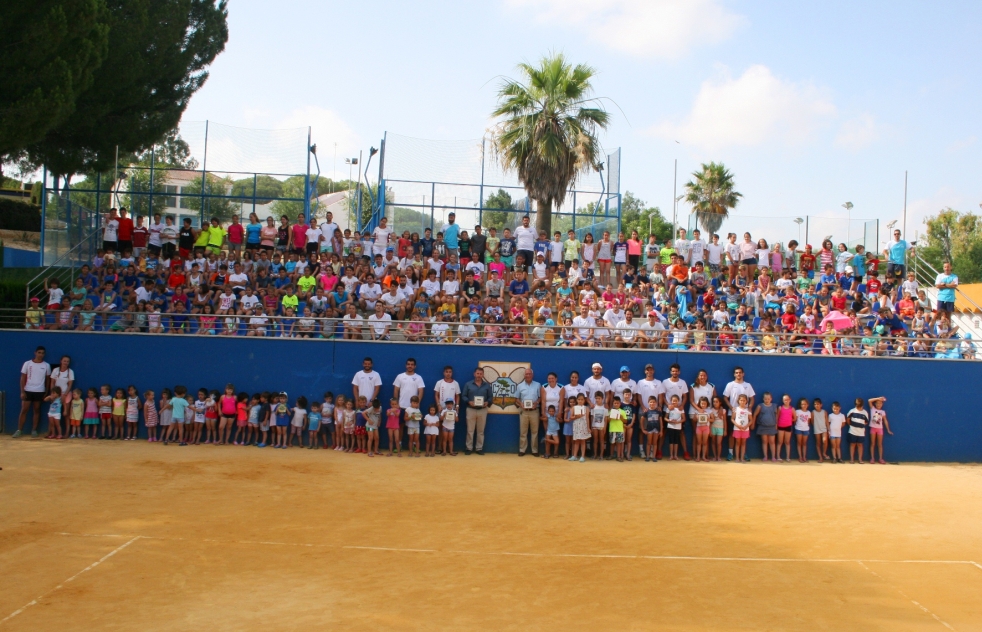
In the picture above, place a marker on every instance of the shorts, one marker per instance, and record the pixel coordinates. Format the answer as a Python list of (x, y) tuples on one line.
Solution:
[(752, 261), (431, 430), (801, 433), (105, 416), (946, 306), (448, 428), (856, 439), (616, 437), (312, 248), (741, 434), (412, 431), (702, 430), (282, 423), (652, 427), (110, 246), (876, 431), (242, 423), (674, 436), (314, 426), (76, 422), (371, 429), (234, 247), (360, 431), (716, 432), (264, 427), (552, 433), (34, 396)]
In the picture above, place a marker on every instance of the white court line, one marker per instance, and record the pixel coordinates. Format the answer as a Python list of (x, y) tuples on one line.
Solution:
[(904, 595), (692, 558), (72, 578)]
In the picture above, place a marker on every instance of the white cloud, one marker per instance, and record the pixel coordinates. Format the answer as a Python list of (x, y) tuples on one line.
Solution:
[(749, 110), (327, 128), (857, 133), (646, 28), (961, 144)]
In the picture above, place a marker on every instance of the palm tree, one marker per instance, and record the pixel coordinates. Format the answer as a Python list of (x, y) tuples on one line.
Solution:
[(548, 130), (711, 195)]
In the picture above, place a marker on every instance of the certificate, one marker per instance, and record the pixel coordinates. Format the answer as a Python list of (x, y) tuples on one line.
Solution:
[(478, 401)]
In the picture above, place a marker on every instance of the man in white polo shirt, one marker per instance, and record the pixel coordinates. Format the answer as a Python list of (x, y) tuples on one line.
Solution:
[(33, 389), (367, 383), (525, 243), (597, 383), (674, 385)]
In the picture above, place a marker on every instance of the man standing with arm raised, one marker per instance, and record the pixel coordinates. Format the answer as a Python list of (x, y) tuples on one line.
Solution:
[(732, 393), (476, 396)]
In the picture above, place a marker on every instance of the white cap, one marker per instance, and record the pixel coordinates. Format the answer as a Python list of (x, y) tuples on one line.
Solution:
[(597, 365)]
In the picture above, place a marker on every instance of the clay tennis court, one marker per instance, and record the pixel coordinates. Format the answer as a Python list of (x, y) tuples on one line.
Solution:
[(99, 535)]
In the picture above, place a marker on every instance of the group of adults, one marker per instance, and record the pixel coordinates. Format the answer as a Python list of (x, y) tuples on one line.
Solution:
[(475, 397)]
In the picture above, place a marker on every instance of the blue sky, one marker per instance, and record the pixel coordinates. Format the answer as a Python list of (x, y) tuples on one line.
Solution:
[(809, 105)]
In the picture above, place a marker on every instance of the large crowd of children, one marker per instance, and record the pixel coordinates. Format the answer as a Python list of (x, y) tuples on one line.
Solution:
[(310, 279)]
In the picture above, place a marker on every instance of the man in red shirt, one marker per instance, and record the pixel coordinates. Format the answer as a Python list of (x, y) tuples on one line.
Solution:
[(125, 231), (140, 236)]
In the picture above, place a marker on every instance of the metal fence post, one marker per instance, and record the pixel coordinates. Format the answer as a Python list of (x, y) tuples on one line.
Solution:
[(480, 206), (255, 184), (432, 203), (204, 165)]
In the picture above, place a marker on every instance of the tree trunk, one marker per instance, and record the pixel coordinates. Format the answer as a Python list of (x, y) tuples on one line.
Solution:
[(543, 217)]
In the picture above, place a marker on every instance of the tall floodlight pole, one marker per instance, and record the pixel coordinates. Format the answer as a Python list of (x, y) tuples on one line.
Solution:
[(848, 207), (675, 203), (905, 204)]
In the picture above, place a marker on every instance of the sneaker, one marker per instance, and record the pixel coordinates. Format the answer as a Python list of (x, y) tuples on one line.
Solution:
[(658, 455), (468, 452), (481, 452), (260, 445), (17, 434), (582, 460), (630, 458), (572, 458), (729, 457), (685, 455)]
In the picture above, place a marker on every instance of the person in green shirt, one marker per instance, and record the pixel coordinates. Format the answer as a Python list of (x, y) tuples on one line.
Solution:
[(216, 236), (615, 427), (666, 253), (201, 241), (306, 283), (290, 299), (571, 249)]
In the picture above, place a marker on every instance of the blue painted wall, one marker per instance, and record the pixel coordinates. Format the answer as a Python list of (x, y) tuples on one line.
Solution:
[(932, 415), (17, 258)]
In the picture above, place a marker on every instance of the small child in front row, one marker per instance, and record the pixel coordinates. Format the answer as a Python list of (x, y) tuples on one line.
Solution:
[(717, 427), (741, 427), (568, 424), (340, 439), (581, 427), (76, 413), (298, 422), (857, 419), (651, 429), (150, 416), (373, 419), (330, 438), (105, 412), (360, 422), (54, 413), (92, 413), (119, 414), (314, 426), (598, 425), (132, 413), (820, 427), (281, 416), (703, 423), (616, 420), (802, 428), (877, 424), (432, 431), (552, 433), (413, 417), (349, 425), (392, 416), (449, 420), (675, 418), (836, 421)]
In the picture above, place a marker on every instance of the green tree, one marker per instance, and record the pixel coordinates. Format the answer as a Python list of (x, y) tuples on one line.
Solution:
[(221, 207), (51, 49), (156, 62), (637, 215), (711, 194), (267, 188), (548, 130), (955, 237), (500, 199)]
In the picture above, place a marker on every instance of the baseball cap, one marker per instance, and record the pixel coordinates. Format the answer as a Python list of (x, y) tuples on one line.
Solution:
[(624, 369), (597, 365), (649, 366), (35, 299)]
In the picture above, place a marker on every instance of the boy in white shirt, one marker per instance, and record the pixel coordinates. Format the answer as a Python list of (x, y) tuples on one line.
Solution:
[(556, 248)]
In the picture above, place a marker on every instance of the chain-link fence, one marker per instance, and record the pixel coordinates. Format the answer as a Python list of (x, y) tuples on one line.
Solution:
[(805, 229), (426, 180)]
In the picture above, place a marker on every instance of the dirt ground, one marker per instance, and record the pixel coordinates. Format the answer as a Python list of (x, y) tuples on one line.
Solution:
[(137, 536)]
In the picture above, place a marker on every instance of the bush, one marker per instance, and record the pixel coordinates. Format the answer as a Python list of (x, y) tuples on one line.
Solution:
[(16, 215), (12, 293)]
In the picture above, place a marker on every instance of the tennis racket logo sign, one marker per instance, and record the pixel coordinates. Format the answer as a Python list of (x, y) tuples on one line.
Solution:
[(504, 378)]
